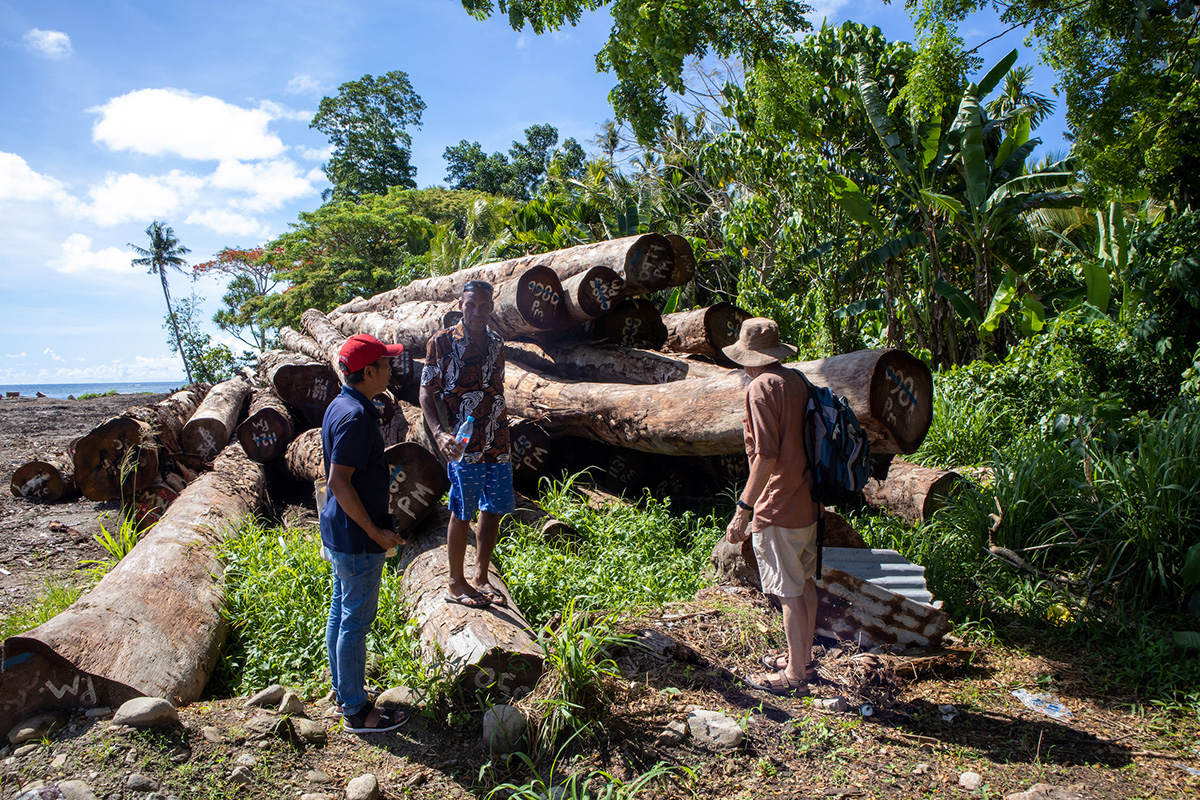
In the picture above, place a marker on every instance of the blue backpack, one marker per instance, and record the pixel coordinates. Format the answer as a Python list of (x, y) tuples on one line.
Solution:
[(838, 454)]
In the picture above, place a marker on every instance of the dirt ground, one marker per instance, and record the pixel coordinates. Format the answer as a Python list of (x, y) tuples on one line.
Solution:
[(934, 715)]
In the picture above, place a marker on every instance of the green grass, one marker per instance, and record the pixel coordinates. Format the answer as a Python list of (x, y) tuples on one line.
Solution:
[(90, 395), (626, 556), (277, 604), (56, 595)]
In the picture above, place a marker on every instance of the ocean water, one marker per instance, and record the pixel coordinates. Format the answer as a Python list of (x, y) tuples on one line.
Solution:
[(76, 389)]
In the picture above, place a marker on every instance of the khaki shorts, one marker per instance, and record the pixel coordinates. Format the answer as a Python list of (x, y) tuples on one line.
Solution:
[(787, 558)]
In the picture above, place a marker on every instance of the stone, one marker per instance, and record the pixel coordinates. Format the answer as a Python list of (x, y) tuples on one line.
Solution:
[(59, 761), (39, 727), (292, 704), (714, 730), (271, 725), (674, 733), (39, 791), (241, 776), (921, 769), (76, 790), (970, 781), (313, 796), (401, 697), (146, 712), (311, 732), (246, 760), (317, 777), (26, 749), (503, 729), (140, 783), (100, 712), (212, 734), (834, 704), (269, 696), (1046, 791), (364, 787)]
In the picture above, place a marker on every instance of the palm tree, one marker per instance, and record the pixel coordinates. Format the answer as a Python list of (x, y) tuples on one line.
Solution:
[(164, 252)]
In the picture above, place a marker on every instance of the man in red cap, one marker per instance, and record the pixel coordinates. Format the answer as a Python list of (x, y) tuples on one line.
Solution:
[(356, 527)]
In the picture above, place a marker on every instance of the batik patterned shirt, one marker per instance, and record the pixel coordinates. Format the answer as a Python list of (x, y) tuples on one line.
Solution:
[(469, 379)]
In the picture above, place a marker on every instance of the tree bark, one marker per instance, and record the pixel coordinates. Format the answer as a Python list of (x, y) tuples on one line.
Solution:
[(418, 480), (132, 441), (494, 646), (211, 427), (47, 480), (306, 384), (634, 322), (703, 417), (910, 491), (411, 324), (684, 268), (268, 427), (607, 363), (704, 331), (298, 342), (153, 625)]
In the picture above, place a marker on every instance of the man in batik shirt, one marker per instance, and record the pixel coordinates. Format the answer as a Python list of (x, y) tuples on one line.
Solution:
[(464, 377)]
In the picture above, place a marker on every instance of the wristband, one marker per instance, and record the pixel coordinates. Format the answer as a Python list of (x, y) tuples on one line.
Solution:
[(741, 504)]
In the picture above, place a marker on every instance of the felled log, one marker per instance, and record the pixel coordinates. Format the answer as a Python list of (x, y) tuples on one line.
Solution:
[(592, 293), (684, 268), (297, 342), (704, 331), (120, 457), (606, 363), (411, 324), (306, 384), (211, 427), (268, 427), (910, 491), (418, 480), (153, 625), (330, 340), (634, 322), (703, 417), (493, 647), (46, 480), (529, 512), (646, 261), (529, 448)]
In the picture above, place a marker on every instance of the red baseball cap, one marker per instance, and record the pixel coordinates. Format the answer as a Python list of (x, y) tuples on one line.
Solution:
[(362, 349)]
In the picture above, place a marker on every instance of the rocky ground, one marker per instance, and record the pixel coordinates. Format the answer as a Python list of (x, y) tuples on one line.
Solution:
[(936, 724)]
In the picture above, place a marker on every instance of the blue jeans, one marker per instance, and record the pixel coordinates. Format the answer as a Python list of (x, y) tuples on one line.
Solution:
[(352, 609)]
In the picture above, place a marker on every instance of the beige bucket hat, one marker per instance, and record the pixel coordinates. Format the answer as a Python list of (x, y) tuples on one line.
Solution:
[(758, 344)]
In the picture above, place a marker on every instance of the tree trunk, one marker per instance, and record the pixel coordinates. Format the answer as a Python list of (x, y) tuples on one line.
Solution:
[(911, 492), (129, 444), (211, 427), (704, 416), (418, 480), (268, 427), (529, 446), (411, 324), (607, 363), (704, 331), (493, 647), (306, 384), (153, 625), (329, 340), (634, 322), (298, 342), (48, 480), (684, 268), (592, 293)]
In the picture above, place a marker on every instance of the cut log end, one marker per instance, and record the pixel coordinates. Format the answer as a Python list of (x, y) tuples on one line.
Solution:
[(593, 293), (44, 481), (539, 298), (118, 457), (902, 390)]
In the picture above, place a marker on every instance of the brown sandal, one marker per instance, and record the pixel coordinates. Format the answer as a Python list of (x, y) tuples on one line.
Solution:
[(778, 683), (780, 662)]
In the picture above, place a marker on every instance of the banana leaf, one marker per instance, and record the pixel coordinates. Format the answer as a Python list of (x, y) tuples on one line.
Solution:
[(881, 255), (1097, 284), (851, 200), (962, 303), (877, 112), (1006, 292), (858, 307), (1033, 316)]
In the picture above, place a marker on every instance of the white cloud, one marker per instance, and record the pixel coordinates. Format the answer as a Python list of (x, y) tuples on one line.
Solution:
[(280, 111), (77, 258), (52, 354), (825, 9), (15, 355), (48, 44), (173, 122), (304, 84), (122, 198), (19, 182), (228, 223), (320, 154), (142, 368), (269, 184), (523, 41)]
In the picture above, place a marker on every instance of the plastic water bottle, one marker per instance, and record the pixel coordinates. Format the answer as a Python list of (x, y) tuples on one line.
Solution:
[(463, 435)]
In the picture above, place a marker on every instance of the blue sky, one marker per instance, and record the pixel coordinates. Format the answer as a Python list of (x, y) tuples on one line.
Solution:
[(113, 114)]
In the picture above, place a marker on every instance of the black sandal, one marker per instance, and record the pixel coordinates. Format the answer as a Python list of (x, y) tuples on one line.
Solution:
[(388, 720)]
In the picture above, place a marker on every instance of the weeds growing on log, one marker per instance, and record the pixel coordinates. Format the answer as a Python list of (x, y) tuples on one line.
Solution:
[(116, 545), (277, 605), (626, 556)]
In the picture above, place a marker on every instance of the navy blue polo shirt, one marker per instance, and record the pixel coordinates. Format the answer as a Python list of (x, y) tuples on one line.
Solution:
[(350, 436)]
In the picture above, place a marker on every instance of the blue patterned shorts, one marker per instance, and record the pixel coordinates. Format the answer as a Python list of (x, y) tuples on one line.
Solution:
[(480, 487)]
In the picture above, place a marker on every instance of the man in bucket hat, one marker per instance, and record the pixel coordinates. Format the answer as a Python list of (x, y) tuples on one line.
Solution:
[(356, 527), (775, 509)]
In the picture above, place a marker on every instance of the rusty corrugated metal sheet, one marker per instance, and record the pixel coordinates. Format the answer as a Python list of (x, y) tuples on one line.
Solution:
[(885, 568)]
